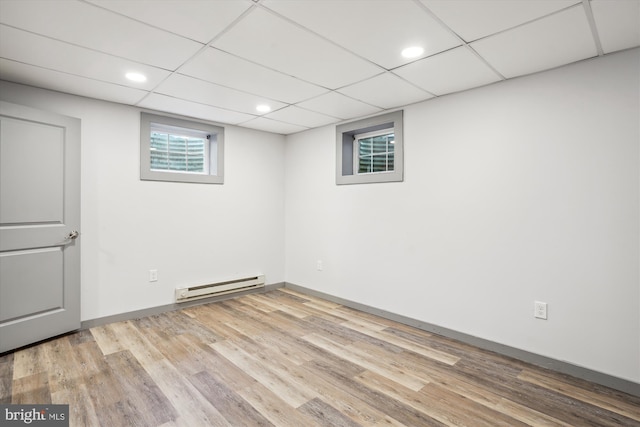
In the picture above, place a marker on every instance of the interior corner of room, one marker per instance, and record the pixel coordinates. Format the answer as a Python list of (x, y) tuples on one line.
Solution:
[(517, 192)]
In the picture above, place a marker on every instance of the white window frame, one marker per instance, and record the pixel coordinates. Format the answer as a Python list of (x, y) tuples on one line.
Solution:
[(214, 150), (346, 168), (356, 150)]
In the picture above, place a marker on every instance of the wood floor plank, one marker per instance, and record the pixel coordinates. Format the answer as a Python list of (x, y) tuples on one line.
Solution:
[(31, 389), (283, 358), (214, 317), (277, 305), (293, 396), (141, 398), (445, 403), (242, 322), (433, 408), (224, 370), (6, 378), (289, 325), (136, 343), (273, 408), (486, 397), (332, 331), (65, 385), (366, 361), (609, 401), (409, 365), (185, 325), (309, 307), (313, 385), (80, 337), (62, 364), (527, 415), (107, 339), (357, 319), (404, 343), (339, 396), (395, 411), (182, 354), (349, 313), (453, 347), (95, 373), (231, 405), (258, 306), (29, 361), (81, 409), (547, 401), (194, 409), (313, 307), (304, 298), (326, 414)]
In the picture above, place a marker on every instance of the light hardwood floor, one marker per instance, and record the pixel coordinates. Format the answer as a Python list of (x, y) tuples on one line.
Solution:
[(287, 359)]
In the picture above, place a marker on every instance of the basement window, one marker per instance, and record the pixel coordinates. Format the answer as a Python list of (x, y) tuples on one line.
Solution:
[(370, 150), (374, 152), (180, 150)]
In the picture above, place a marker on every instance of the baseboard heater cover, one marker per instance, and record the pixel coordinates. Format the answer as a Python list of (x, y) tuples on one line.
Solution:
[(221, 288)]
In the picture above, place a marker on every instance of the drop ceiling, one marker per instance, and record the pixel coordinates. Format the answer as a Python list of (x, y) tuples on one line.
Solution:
[(314, 62)]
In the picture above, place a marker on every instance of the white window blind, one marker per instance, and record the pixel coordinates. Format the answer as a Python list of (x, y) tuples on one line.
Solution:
[(374, 152), (178, 150)]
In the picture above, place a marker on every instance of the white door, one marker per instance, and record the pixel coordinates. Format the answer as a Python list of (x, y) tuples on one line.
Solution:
[(39, 225)]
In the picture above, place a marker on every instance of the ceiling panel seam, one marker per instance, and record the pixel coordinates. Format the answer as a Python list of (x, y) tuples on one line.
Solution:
[(592, 24)]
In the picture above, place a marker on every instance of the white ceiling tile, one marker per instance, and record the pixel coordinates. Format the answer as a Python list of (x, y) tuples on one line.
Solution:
[(224, 69), (273, 126), (378, 33), (192, 89), (340, 106), (452, 71), (473, 19), (189, 18), (547, 43), (302, 117), (618, 23), (87, 25), (386, 91), (271, 41), (44, 52), (62, 82), (192, 109), (320, 55)]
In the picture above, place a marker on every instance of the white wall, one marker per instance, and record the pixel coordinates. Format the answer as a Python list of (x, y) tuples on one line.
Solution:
[(190, 233), (528, 189), (520, 191)]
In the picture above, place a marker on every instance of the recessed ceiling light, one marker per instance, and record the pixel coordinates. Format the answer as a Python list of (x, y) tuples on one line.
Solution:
[(263, 108), (136, 77), (412, 52)]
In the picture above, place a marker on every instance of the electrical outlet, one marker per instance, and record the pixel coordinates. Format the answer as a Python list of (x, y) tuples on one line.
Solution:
[(153, 275), (319, 265), (540, 310)]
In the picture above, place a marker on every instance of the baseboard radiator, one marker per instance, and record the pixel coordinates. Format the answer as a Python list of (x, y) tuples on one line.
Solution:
[(221, 288)]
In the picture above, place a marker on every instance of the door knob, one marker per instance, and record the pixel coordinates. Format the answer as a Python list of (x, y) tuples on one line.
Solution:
[(73, 235)]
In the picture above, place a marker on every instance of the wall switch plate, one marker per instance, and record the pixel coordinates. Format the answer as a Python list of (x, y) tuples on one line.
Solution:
[(319, 265), (153, 275), (540, 310)]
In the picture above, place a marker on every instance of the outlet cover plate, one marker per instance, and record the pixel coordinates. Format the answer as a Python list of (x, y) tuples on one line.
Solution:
[(540, 310)]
